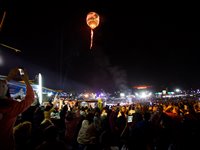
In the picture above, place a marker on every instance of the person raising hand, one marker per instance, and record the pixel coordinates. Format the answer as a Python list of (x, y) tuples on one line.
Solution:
[(10, 108)]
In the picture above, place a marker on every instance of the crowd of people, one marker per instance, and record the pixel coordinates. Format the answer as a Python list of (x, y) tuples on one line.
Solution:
[(159, 125)]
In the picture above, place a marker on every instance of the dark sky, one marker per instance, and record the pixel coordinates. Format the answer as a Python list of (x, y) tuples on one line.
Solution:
[(154, 43)]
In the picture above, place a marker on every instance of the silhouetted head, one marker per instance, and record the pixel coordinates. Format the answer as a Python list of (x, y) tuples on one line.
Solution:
[(3, 88), (50, 133)]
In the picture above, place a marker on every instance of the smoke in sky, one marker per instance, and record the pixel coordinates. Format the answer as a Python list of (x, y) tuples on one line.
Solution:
[(119, 77), (111, 72)]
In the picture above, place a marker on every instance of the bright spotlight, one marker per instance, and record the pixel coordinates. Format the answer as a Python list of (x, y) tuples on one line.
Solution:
[(177, 90), (40, 88), (122, 95)]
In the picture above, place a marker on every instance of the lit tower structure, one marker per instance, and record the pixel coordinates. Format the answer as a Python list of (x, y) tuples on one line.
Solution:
[(142, 92)]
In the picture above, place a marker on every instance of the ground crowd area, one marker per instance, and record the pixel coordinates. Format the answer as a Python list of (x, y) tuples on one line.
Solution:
[(164, 125)]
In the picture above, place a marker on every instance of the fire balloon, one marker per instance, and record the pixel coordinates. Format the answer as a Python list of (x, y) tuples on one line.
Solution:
[(92, 21)]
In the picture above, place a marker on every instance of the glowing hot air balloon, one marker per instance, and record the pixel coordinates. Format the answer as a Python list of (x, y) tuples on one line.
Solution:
[(92, 21)]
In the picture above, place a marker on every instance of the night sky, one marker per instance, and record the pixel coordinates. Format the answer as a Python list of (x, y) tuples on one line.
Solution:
[(136, 43)]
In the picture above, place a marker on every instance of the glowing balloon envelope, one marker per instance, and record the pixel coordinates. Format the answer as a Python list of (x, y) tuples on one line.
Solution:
[(92, 21)]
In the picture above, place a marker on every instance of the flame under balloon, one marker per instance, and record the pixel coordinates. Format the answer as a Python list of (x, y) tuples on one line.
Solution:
[(2, 20), (92, 21)]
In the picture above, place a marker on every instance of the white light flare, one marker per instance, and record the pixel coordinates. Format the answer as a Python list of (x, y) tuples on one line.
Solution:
[(40, 88)]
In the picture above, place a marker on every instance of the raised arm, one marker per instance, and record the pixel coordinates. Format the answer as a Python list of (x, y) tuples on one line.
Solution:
[(19, 107)]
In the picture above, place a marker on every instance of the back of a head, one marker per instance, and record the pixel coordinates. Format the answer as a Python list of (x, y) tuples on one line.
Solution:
[(69, 116), (47, 108), (50, 133), (4, 91), (89, 117), (4, 95), (147, 116), (23, 129)]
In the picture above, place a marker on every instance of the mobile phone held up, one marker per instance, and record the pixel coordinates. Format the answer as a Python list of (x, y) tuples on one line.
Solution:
[(130, 119), (21, 71)]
